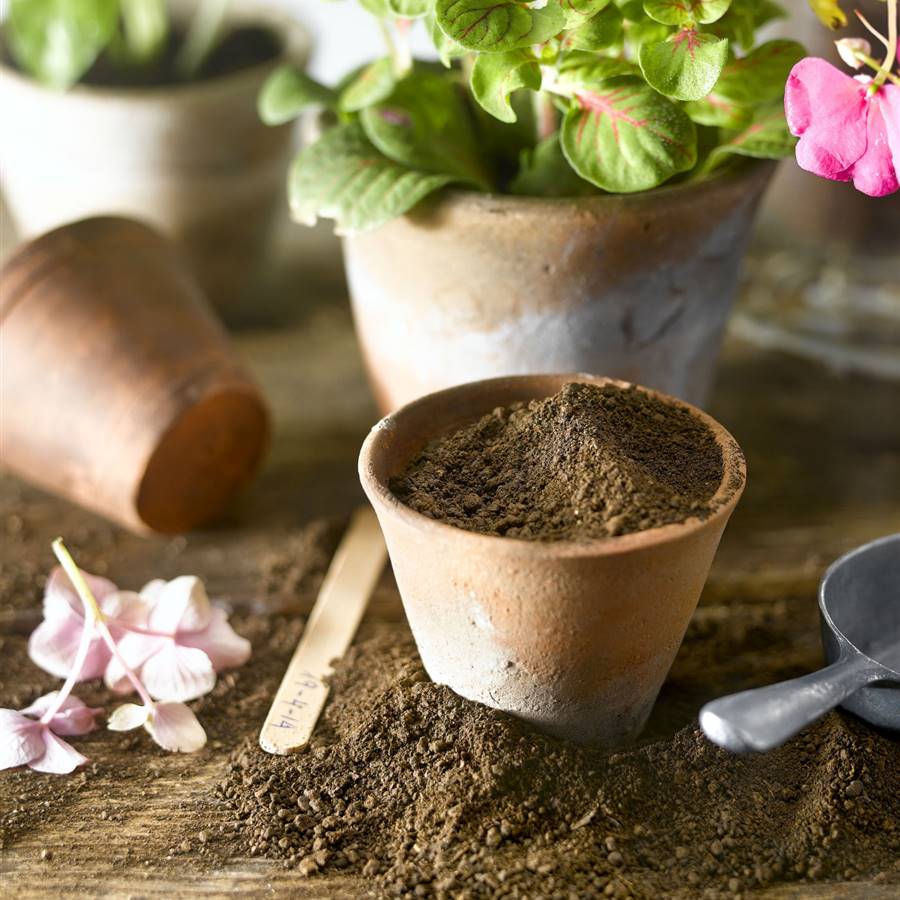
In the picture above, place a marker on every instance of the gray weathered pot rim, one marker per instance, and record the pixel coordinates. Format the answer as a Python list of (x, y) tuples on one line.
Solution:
[(734, 479), (468, 202), (297, 46)]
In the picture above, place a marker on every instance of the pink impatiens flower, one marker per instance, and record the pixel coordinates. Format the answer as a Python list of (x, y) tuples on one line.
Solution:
[(847, 133), (184, 642), (33, 742)]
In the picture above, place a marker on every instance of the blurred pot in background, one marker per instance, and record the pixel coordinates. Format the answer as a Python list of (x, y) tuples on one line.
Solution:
[(149, 138), (824, 266)]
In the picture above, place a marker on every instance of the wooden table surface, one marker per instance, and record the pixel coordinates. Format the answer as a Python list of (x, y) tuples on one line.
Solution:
[(824, 460)]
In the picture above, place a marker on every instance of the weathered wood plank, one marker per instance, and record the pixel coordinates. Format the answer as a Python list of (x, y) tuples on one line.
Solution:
[(823, 453)]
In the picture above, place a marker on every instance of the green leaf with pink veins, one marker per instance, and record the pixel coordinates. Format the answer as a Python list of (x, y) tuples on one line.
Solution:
[(759, 76), (493, 26), (577, 12), (496, 75), (372, 85), (426, 125), (766, 137), (686, 65), (585, 70), (343, 177), (719, 112), (447, 49), (743, 18), (287, 92), (598, 33), (686, 12), (744, 84), (545, 172), (624, 137)]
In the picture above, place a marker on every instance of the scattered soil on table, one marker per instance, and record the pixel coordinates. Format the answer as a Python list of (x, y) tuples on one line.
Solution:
[(411, 790), (427, 794), (591, 462), (129, 778)]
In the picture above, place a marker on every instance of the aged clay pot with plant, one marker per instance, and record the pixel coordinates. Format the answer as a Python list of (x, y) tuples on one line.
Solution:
[(541, 121), (574, 636), (149, 113)]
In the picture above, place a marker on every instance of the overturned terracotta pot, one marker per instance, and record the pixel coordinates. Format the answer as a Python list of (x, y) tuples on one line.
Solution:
[(632, 286), (574, 637), (120, 389)]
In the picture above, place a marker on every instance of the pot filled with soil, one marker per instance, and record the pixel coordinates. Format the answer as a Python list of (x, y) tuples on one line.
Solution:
[(550, 536), (156, 122), (634, 286)]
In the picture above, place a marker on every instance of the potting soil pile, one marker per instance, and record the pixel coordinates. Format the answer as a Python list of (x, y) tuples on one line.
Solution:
[(427, 794), (591, 462)]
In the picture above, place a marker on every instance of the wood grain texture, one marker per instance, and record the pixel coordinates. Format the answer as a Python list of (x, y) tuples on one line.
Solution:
[(824, 460)]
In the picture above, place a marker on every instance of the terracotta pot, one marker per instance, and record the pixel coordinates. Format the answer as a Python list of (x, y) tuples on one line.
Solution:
[(576, 638), (631, 286), (120, 389), (193, 159)]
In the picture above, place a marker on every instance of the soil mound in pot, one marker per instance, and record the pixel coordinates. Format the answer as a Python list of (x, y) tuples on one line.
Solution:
[(590, 462), (428, 794)]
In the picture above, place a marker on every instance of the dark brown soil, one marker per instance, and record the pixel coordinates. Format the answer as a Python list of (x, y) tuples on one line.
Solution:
[(427, 794), (419, 792), (591, 462)]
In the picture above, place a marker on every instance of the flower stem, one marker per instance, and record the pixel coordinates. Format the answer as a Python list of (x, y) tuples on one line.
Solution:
[(874, 64), (891, 56), (87, 633), (92, 610)]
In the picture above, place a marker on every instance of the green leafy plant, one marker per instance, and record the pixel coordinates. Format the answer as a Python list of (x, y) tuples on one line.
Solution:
[(58, 41), (561, 98)]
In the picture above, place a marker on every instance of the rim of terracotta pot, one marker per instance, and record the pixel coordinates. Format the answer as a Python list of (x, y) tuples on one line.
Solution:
[(734, 473), (296, 46), (452, 200)]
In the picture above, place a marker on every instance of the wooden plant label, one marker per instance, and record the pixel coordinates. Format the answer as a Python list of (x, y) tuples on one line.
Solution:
[(349, 582)]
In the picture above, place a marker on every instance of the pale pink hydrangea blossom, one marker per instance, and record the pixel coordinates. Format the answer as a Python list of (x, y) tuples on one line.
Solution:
[(165, 643)]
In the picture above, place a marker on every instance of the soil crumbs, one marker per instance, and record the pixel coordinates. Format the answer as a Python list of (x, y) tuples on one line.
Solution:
[(427, 794), (590, 462), (412, 791)]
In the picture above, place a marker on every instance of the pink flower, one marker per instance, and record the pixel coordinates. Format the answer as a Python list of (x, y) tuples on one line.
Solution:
[(172, 725), (185, 642), (72, 717), (846, 133), (26, 741), (54, 643)]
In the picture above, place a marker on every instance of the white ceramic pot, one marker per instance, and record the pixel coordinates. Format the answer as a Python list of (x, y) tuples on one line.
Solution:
[(193, 159)]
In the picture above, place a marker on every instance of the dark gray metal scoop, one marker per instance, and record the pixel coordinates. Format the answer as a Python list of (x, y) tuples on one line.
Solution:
[(859, 605)]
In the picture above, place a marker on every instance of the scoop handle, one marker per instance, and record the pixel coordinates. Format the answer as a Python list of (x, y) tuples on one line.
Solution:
[(766, 717)]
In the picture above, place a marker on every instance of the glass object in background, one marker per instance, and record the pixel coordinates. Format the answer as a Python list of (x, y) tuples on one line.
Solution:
[(822, 278)]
